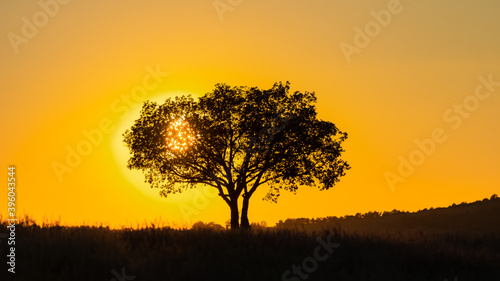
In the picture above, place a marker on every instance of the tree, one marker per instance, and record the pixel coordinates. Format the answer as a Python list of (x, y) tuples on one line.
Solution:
[(236, 139)]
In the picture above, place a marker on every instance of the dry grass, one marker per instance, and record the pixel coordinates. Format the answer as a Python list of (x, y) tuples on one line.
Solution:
[(405, 252)]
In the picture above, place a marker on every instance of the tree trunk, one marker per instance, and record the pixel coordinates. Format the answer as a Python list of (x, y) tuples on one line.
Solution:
[(244, 213), (234, 215)]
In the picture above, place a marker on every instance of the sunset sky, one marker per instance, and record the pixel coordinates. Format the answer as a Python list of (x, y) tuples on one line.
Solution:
[(415, 84)]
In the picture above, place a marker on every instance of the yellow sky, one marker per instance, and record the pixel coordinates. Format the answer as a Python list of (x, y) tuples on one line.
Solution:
[(389, 73)]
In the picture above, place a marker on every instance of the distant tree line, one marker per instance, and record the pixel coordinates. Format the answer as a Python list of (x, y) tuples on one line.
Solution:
[(372, 214), (332, 219)]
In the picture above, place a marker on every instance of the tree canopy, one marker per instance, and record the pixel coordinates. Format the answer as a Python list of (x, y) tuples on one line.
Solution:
[(236, 139)]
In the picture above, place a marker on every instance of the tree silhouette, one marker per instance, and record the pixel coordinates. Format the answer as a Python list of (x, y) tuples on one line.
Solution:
[(236, 139)]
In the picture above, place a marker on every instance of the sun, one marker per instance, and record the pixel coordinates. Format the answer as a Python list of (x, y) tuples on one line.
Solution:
[(180, 136), (122, 154)]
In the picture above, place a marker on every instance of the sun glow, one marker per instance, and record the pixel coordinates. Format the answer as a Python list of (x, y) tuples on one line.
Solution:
[(180, 136)]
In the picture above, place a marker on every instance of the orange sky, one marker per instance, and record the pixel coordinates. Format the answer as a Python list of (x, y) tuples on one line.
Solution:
[(389, 73)]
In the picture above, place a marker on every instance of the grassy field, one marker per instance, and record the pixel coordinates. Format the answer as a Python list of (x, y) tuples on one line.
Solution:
[(457, 243)]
